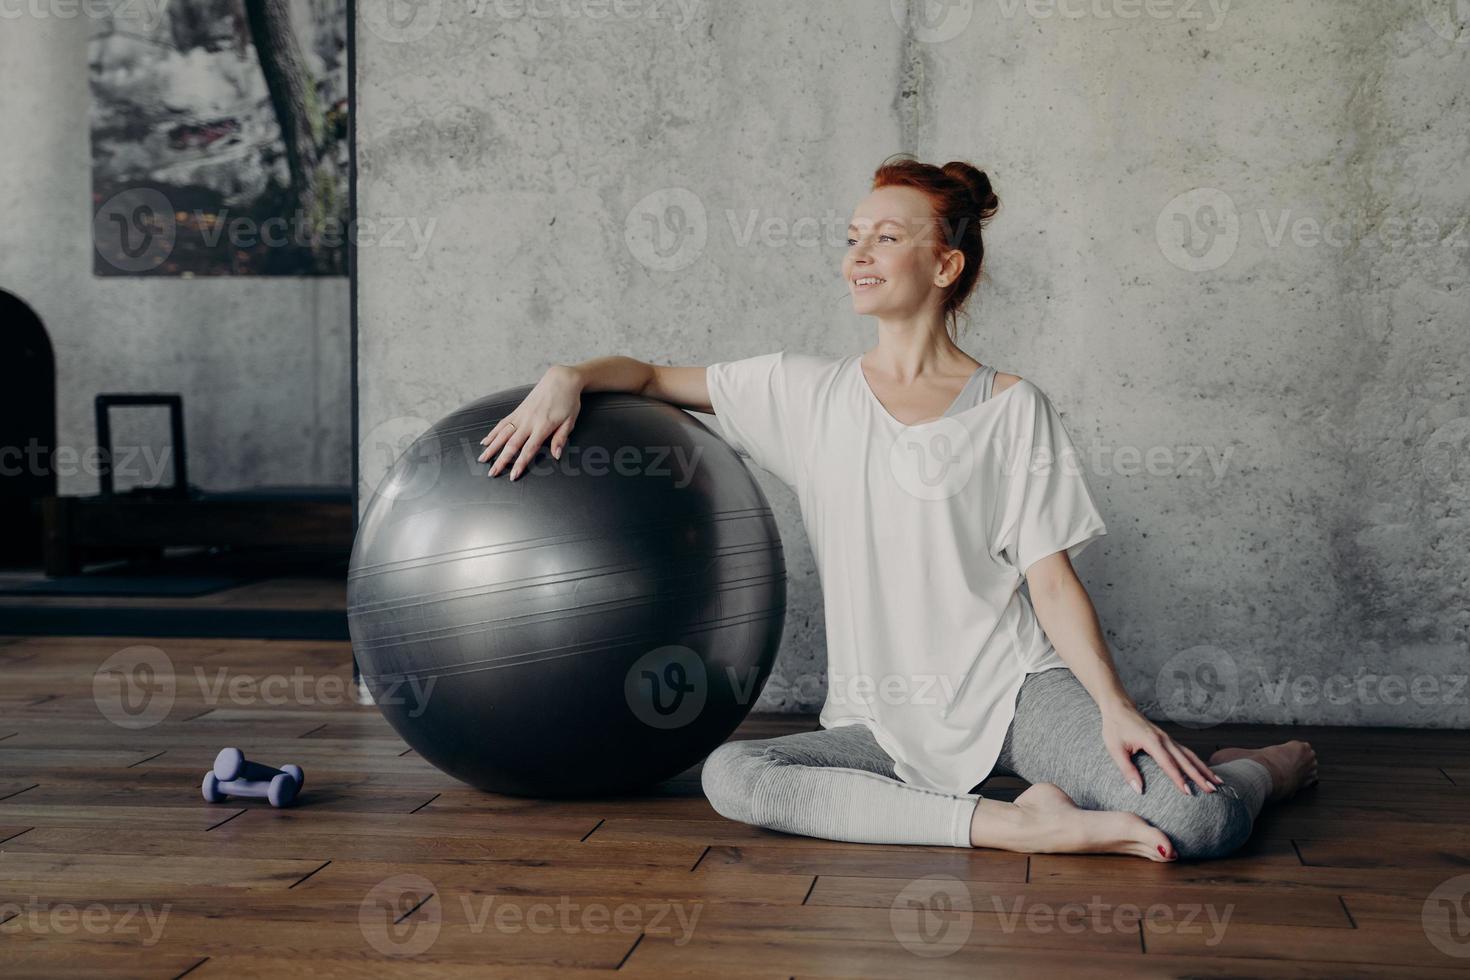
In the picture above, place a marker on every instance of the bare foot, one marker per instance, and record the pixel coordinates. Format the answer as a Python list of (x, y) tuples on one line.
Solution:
[(1292, 765), (1044, 820)]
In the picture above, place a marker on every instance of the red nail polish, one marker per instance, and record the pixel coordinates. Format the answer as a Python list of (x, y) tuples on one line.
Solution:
[(1162, 852)]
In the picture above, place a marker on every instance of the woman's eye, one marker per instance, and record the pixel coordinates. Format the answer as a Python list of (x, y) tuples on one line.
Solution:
[(853, 241)]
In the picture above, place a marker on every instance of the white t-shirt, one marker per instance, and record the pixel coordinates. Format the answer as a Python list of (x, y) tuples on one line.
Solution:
[(921, 535)]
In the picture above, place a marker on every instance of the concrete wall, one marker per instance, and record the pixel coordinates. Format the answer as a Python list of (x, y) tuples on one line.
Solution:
[(1232, 247), (263, 364)]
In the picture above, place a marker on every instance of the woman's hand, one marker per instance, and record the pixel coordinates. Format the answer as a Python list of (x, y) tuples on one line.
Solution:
[(550, 409), (1125, 731)]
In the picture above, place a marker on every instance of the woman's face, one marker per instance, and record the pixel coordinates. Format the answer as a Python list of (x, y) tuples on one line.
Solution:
[(891, 240)]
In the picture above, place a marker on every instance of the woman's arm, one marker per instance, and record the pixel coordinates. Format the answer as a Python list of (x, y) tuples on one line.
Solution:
[(1066, 613), (681, 386), (551, 408)]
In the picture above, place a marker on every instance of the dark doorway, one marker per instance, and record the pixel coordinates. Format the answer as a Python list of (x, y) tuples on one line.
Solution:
[(27, 431)]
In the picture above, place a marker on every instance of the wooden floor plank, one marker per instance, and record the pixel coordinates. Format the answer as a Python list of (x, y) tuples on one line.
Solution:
[(1405, 946), (397, 968), (866, 860), (1259, 904), (1370, 852), (322, 795), (1053, 869), (452, 941), (809, 923), (201, 817), (474, 878), (66, 960), (15, 761), (22, 870), (798, 958), (240, 838)]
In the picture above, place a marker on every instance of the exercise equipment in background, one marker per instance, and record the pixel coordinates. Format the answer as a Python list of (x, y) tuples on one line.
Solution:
[(596, 626), (148, 519)]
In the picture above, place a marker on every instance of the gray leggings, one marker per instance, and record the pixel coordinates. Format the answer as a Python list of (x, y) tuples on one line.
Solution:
[(839, 784)]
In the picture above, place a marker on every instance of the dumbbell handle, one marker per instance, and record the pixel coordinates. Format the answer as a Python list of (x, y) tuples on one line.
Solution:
[(257, 771), (257, 788)]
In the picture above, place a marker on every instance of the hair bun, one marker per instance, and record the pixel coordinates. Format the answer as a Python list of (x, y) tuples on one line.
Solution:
[(978, 181)]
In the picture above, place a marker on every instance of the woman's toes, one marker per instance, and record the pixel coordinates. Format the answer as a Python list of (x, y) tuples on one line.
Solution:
[(1156, 843), (1128, 833)]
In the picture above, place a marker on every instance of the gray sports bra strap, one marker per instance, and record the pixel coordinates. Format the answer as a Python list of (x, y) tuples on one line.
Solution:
[(976, 390)]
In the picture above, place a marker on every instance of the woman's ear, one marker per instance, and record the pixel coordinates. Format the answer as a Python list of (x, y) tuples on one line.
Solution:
[(950, 267)]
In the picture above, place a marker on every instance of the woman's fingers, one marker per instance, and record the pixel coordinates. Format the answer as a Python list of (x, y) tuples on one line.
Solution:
[(508, 451), (1204, 768), (1161, 754), (1125, 765), (496, 438), (517, 445), (1191, 769), (528, 452), (559, 441)]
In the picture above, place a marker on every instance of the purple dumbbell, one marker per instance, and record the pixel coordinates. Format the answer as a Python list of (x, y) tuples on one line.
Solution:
[(234, 775)]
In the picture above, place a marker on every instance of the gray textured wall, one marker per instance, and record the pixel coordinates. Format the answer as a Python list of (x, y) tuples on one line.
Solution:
[(263, 364), (1232, 248)]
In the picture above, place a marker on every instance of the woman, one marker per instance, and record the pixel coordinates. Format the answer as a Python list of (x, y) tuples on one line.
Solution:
[(931, 487)]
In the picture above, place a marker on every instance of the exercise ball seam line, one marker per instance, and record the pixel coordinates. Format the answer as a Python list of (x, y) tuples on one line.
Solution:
[(496, 664), (386, 641), (697, 625), (556, 653), (509, 547), (620, 531), (728, 585), (543, 581), (720, 551)]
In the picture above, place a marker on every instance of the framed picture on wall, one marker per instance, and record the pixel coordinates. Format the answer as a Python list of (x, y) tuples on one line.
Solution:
[(219, 138)]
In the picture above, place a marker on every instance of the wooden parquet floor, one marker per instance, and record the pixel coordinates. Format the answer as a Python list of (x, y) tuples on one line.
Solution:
[(112, 865)]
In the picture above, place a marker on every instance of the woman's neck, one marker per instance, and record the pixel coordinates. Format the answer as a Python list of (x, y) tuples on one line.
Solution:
[(907, 352)]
